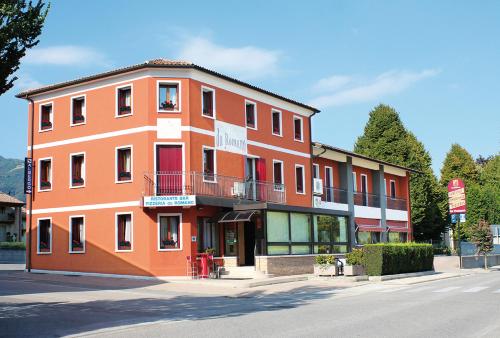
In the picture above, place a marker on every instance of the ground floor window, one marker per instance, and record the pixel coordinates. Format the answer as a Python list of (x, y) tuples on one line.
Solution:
[(367, 237), (77, 234), (397, 237), (124, 232), (230, 239), (169, 232), (299, 233), (208, 236), (44, 235)]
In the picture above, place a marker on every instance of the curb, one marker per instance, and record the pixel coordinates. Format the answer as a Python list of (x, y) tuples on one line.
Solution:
[(399, 276)]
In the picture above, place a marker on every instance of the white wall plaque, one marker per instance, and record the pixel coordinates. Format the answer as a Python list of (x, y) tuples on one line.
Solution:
[(168, 128), (230, 137)]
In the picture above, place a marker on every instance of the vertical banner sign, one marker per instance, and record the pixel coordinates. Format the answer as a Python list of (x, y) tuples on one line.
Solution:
[(456, 196), (28, 175)]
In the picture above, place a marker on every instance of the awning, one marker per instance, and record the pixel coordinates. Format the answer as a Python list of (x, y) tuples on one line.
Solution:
[(237, 216), (369, 225), (397, 226)]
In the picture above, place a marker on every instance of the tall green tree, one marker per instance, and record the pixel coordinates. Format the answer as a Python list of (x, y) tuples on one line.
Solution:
[(21, 23), (385, 138), (458, 163), (482, 237)]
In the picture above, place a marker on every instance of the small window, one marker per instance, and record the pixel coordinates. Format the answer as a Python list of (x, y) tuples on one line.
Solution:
[(250, 112), (46, 117), (208, 164), (169, 232), (316, 171), (208, 102), (297, 129), (354, 183), (278, 175), (299, 179), (124, 164), (45, 174), (168, 97), (45, 235), (393, 189), (208, 235), (78, 110), (77, 170), (124, 101), (77, 234), (276, 122), (124, 232)]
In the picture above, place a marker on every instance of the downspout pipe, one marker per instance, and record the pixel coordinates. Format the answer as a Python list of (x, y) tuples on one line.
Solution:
[(312, 156), (30, 222)]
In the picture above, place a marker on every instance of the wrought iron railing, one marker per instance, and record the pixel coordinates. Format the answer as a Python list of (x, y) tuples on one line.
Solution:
[(366, 199), (164, 183), (395, 203), (334, 195)]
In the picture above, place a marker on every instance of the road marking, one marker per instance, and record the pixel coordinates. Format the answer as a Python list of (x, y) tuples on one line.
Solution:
[(419, 289), (393, 290), (451, 288), (476, 289)]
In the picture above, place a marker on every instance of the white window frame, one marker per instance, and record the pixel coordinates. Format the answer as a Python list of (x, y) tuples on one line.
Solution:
[(38, 236), (84, 176), (131, 230), (208, 89), (254, 113), (51, 103), (39, 180), (303, 179), (179, 97), (131, 163), (282, 175), (295, 118), (354, 182), (316, 171), (390, 188), (203, 164), (71, 234), (158, 231), (117, 91), (273, 110), (84, 111)]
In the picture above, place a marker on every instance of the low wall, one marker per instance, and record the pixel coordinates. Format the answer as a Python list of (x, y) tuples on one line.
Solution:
[(471, 262), (12, 256), (285, 265)]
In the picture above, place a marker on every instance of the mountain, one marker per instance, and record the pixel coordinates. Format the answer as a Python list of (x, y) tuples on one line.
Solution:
[(12, 177)]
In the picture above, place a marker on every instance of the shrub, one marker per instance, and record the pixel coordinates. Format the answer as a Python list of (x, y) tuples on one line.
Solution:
[(325, 259), (393, 258), (355, 257), (442, 250), (13, 245)]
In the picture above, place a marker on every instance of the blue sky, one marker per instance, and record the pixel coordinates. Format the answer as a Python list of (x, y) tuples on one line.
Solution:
[(436, 62)]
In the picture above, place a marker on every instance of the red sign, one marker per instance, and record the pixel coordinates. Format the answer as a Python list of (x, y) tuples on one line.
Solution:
[(456, 196)]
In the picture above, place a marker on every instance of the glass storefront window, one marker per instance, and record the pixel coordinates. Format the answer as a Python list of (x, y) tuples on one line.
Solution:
[(277, 227), (300, 249), (300, 226), (322, 249), (230, 239), (340, 230), (322, 228), (394, 237), (277, 250), (339, 249), (364, 237)]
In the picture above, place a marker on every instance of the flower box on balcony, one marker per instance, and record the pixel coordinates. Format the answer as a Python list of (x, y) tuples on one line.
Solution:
[(124, 174), (78, 118), (125, 109), (77, 246), (78, 181), (124, 245), (45, 185), (167, 105), (46, 124)]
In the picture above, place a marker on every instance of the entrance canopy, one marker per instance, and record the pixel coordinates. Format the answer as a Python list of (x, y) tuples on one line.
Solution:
[(237, 216)]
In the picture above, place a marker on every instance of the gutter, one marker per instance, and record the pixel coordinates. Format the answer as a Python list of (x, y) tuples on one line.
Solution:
[(28, 233)]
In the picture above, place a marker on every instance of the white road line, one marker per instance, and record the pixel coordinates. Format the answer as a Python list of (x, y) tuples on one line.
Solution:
[(451, 288), (419, 289), (476, 289)]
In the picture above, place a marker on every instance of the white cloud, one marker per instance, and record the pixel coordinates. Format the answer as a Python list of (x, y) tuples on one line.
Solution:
[(391, 82), (66, 55), (245, 62), (25, 81)]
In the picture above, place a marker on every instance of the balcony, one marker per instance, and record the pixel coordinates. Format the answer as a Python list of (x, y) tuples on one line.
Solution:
[(396, 203), (334, 195), (200, 184), (366, 199)]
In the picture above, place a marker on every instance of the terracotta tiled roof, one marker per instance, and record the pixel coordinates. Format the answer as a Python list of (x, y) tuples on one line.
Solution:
[(157, 63), (7, 199)]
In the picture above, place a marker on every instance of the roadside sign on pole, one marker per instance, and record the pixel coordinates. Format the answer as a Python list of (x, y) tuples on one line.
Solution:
[(454, 218), (462, 218), (456, 196)]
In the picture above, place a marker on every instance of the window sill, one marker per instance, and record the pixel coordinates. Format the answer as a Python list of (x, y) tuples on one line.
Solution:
[(301, 141), (76, 252), (77, 186), (117, 250), (120, 182), (45, 130), (166, 250), (77, 124), (252, 128), (44, 190), (44, 253), (279, 135), (168, 111), (123, 115), (208, 116)]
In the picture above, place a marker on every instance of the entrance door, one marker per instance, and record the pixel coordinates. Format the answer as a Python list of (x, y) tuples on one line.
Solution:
[(249, 243), (329, 184), (169, 176), (250, 178)]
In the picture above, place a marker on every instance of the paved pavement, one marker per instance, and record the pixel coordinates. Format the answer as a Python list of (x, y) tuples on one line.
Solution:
[(47, 305)]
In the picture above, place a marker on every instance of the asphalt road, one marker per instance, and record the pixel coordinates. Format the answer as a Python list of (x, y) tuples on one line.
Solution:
[(40, 306)]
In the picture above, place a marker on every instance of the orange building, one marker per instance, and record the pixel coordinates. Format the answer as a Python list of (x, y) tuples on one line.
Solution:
[(139, 170)]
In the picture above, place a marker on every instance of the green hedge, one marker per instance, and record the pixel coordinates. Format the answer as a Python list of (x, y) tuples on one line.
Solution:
[(13, 245), (393, 258)]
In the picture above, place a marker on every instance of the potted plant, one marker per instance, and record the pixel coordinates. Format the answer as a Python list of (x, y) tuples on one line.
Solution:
[(324, 265), (78, 119), (77, 245), (78, 181), (125, 109), (124, 245), (45, 184), (168, 243), (124, 174), (210, 251), (46, 124), (354, 263)]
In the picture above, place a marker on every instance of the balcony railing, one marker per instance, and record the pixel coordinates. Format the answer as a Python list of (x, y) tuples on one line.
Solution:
[(366, 199), (396, 203), (164, 183), (334, 195)]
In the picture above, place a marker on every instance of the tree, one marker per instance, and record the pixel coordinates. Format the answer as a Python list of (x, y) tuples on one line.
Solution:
[(458, 163), (482, 237), (385, 138), (20, 25)]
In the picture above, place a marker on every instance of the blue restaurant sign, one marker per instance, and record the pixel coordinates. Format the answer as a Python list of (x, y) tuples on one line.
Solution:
[(28, 175)]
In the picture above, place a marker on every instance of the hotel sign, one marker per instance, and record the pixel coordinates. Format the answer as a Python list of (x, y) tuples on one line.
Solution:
[(456, 196), (28, 175), (170, 201), (230, 137)]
